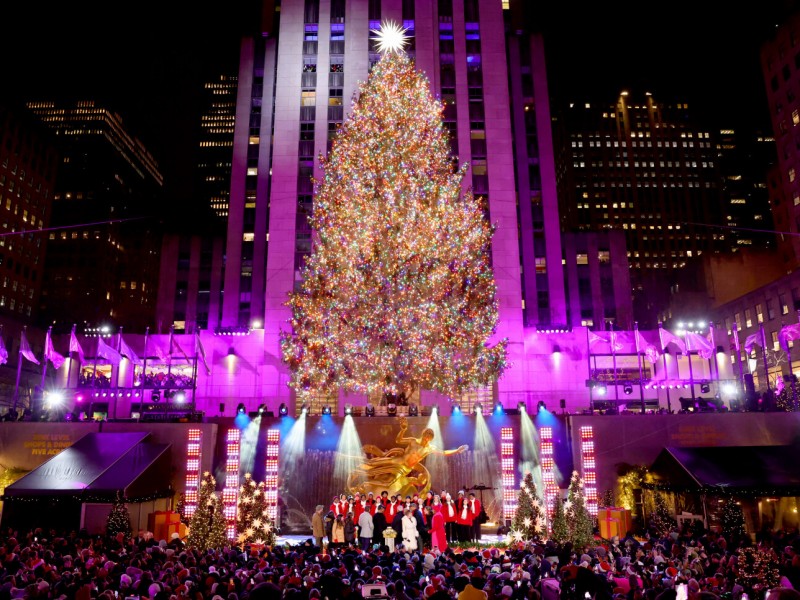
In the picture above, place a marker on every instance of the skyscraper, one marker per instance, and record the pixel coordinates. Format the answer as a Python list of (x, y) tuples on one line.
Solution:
[(28, 166), (647, 169), (780, 65), (216, 143), (100, 265), (296, 80)]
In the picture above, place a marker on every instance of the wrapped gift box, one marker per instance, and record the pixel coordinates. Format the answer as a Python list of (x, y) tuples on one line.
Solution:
[(614, 521), (163, 523)]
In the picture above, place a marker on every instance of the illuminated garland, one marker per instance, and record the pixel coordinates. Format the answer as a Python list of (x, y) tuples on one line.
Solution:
[(100, 498), (399, 291), (726, 491)]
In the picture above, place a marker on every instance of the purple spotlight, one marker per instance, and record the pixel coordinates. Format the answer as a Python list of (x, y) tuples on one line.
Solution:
[(79, 398)]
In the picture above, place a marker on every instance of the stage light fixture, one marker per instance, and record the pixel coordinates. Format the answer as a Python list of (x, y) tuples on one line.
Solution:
[(241, 408), (498, 408), (305, 410), (628, 389), (326, 410), (348, 409), (262, 408), (455, 409), (283, 410), (369, 410), (541, 406), (523, 407), (179, 397), (705, 387), (155, 397), (391, 409), (477, 409), (413, 410), (601, 389)]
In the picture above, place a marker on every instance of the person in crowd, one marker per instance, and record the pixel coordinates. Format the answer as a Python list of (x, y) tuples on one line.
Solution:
[(349, 529), (365, 529), (318, 525), (338, 531), (410, 533), (379, 523), (436, 529)]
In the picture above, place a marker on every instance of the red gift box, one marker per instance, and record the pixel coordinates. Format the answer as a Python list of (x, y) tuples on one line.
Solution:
[(163, 523)]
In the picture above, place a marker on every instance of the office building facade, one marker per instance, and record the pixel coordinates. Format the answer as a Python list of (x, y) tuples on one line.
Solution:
[(644, 168), (100, 262)]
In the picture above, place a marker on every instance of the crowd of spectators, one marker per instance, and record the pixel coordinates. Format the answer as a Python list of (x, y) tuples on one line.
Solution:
[(51, 565)]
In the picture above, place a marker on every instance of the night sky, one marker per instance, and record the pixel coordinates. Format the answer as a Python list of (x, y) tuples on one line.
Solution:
[(147, 63)]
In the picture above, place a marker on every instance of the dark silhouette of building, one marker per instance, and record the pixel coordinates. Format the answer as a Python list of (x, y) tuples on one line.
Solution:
[(647, 169), (102, 261)]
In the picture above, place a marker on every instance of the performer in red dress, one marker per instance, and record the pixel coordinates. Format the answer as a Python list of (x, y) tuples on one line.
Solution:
[(436, 529)]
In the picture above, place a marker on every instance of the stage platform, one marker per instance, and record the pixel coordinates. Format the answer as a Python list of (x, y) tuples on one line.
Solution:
[(297, 540)]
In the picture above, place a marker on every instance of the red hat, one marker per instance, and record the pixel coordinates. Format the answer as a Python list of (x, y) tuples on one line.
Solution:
[(672, 572), (604, 566)]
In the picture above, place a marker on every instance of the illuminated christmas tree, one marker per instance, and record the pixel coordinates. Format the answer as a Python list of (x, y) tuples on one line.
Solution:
[(529, 517), (757, 569), (560, 528), (580, 521), (180, 508), (207, 526), (118, 521), (398, 292), (732, 523), (661, 520), (253, 525)]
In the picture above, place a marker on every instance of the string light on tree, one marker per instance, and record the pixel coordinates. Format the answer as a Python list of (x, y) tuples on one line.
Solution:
[(398, 293)]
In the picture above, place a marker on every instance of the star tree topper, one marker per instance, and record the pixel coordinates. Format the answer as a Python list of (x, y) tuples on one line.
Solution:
[(391, 37)]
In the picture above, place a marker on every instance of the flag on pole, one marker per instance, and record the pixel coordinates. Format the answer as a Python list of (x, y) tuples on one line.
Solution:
[(753, 340), (787, 334), (665, 337), (176, 347), (128, 352), (75, 346), (107, 352), (595, 339), (700, 344), (643, 346), (201, 352), (50, 352), (25, 349), (735, 334), (3, 352)]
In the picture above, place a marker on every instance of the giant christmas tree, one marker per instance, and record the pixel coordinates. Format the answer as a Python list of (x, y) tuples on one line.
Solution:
[(399, 292)]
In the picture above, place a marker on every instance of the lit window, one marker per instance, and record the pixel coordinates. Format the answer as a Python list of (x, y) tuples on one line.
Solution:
[(254, 139), (133, 285), (582, 259), (791, 175), (251, 171), (541, 264), (248, 237)]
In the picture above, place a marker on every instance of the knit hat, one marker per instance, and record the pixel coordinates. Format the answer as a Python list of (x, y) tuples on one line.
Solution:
[(507, 591)]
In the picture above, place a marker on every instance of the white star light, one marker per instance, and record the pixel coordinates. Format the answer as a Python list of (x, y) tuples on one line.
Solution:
[(391, 37)]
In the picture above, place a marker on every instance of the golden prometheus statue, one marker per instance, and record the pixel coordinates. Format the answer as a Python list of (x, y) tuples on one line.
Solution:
[(399, 470)]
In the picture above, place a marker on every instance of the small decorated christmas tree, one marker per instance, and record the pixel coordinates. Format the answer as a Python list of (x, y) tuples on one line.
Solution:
[(732, 522), (580, 521), (253, 525), (661, 520), (207, 525), (560, 530), (180, 508), (119, 521), (529, 518), (607, 499)]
